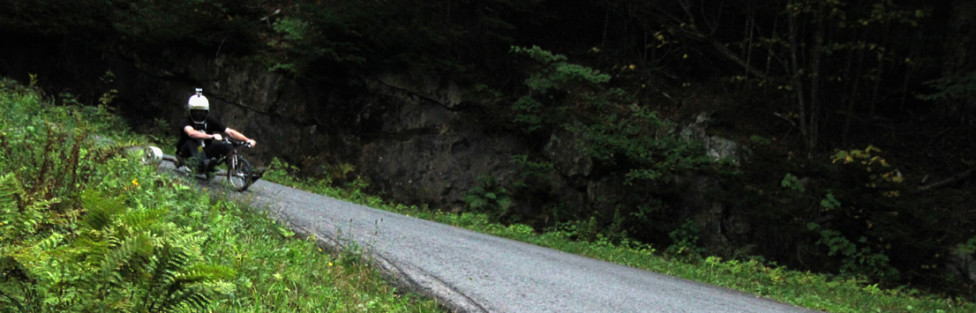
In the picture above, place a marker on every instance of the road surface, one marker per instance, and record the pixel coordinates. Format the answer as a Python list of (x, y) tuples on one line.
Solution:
[(473, 272)]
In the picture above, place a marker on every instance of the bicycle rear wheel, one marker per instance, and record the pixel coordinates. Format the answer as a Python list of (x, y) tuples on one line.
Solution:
[(239, 173)]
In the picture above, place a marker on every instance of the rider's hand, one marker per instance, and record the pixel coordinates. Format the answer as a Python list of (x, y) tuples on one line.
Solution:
[(251, 142), (217, 137)]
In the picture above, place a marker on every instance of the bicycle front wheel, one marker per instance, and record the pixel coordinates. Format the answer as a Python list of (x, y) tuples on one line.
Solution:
[(239, 173)]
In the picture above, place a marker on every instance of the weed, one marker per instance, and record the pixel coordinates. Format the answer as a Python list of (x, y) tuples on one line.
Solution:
[(85, 228)]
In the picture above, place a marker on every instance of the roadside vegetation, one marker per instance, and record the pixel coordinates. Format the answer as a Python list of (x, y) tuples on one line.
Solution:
[(848, 123), (86, 227), (830, 293)]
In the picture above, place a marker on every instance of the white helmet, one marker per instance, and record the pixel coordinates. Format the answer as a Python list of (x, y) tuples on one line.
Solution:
[(198, 103), (198, 106)]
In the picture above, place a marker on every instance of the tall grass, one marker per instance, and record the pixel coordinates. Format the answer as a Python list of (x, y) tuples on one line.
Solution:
[(85, 227), (811, 290)]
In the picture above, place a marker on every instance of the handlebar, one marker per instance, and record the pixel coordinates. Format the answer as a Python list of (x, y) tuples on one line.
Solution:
[(236, 143)]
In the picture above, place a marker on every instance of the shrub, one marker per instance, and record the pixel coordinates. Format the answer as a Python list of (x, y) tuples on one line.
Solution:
[(75, 243), (489, 198)]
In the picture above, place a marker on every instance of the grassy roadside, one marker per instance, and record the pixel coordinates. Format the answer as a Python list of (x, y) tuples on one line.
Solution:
[(86, 227), (810, 290)]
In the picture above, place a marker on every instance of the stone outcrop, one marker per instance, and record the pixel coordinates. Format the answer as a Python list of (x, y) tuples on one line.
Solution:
[(412, 135), (422, 147), (409, 134)]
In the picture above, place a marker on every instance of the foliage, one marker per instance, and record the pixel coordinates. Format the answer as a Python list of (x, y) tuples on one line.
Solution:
[(71, 242), (298, 43), (499, 199), (865, 223), (861, 258), (953, 88), (879, 175), (856, 260), (581, 230), (616, 131), (969, 247), (643, 145), (531, 189), (285, 173), (311, 35), (142, 25), (19, 213), (860, 201), (554, 85), (792, 182), (843, 68), (628, 143), (685, 241), (489, 198), (136, 241)]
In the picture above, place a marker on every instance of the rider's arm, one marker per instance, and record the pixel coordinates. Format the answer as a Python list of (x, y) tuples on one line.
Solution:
[(239, 136), (196, 134)]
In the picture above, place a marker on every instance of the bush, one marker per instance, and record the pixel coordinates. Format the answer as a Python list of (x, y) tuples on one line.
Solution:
[(75, 243), (107, 233)]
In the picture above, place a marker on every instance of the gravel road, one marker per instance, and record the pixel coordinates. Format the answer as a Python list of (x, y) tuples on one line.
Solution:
[(473, 272)]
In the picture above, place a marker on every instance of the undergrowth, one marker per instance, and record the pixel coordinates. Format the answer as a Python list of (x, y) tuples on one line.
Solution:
[(86, 227)]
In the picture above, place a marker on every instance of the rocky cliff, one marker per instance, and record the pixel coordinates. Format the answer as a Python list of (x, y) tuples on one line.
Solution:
[(416, 137), (410, 134)]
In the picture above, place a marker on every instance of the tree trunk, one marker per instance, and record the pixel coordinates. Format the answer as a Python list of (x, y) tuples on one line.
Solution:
[(797, 80), (855, 70), (816, 53), (960, 46)]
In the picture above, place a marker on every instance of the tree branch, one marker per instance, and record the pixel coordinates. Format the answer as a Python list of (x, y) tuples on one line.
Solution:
[(728, 53), (693, 33), (947, 181)]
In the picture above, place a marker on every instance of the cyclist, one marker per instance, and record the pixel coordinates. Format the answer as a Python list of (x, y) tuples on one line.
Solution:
[(201, 135)]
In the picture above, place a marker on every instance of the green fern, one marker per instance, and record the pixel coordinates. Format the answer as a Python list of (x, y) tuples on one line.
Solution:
[(17, 292), (20, 214), (10, 198), (101, 210), (10, 192), (128, 260), (491, 197), (166, 265), (161, 275), (144, 219), (173, 285)]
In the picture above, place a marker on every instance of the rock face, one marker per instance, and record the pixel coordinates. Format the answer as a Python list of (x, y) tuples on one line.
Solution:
[(408, 134), (421, 146), (716, 224), (269, 108), (412, 135)]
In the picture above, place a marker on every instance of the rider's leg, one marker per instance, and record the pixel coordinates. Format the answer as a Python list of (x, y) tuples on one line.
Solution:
[(217, 150), (193, 152)]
